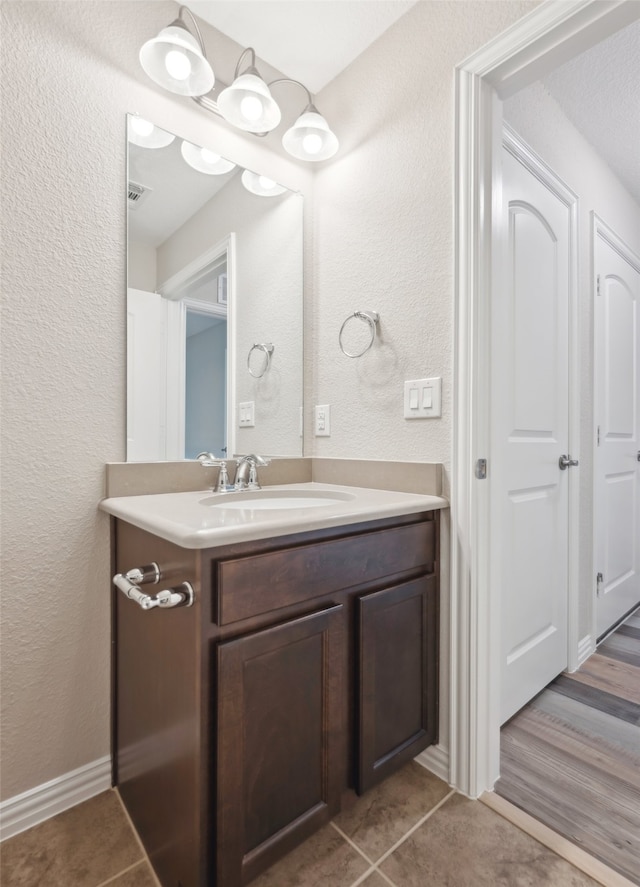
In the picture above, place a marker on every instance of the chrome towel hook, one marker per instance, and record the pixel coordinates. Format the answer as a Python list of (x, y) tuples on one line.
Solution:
[(267, 349), (371, 318)]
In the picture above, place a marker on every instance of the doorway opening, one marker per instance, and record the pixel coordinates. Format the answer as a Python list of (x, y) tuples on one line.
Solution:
[(546, 38)]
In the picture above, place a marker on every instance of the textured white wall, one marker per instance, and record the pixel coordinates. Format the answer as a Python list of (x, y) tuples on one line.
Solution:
[(382, 237), (540, 121), (70, 74), (383, 233)]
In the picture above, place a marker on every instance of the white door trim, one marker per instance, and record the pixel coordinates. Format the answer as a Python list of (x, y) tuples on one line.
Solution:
[(548, 36), (599, 228)]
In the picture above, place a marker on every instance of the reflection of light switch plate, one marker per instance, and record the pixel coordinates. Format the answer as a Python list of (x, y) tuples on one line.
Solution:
[(322, 423), (247, 414), (423, 398)]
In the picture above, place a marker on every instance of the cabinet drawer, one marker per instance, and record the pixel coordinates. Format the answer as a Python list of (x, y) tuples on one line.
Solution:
[(248, 586)]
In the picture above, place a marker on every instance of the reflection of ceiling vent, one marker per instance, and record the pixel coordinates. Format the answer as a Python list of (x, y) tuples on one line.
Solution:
[(137, 194)]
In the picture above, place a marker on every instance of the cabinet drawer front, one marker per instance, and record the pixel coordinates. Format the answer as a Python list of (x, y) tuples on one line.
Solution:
[(300, 574)]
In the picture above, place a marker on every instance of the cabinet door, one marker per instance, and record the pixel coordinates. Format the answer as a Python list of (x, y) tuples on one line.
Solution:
[(280, 740), (398, 677)]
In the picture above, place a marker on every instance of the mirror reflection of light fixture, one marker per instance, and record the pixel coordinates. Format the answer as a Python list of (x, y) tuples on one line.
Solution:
[(261, 185), (204, 160), (144, 134), (176, 60)]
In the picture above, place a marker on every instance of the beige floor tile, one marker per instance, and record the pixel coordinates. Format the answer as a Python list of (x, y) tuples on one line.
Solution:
[(325, 860), (388, 811), (464, 844), (81, 847), (139, 876)]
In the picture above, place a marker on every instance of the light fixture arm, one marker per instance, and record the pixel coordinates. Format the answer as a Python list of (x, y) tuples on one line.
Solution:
[(297, 83), (252, 66), (180, 18)]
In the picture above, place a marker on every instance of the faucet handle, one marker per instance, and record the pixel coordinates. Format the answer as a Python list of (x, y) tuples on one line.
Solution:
[(208, 460), (223, 477), (253, 479)]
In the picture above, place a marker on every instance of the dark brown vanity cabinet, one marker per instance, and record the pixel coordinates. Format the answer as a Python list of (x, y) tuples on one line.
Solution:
[(305, 671)]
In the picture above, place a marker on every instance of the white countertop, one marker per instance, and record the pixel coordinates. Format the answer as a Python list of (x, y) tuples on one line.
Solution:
[(204, 519)]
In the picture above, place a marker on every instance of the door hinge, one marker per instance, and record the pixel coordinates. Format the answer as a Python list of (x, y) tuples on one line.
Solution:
[(598, 436), (598, 288), (599, 583), (481, 469)]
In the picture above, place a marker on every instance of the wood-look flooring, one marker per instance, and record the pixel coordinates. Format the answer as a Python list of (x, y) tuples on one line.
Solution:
[(571, 757)]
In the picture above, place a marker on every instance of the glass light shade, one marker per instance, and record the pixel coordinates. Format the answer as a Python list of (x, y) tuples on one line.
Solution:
[(203, 160), (310, 138), (249, 105), (175, 61), (144, 134), (261, 185)]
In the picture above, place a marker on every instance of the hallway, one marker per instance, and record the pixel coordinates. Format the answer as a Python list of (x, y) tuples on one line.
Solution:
[(571, 757)]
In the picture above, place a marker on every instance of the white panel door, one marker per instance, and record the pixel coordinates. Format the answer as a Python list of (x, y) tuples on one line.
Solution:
[(146, 376), (530, 391), (617, 481)]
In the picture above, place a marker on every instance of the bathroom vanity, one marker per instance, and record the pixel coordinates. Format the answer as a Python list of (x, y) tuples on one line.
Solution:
[(305, 670)]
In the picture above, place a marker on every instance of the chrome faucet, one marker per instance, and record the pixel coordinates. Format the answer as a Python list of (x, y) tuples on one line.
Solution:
[(247, 473), (208, 460)]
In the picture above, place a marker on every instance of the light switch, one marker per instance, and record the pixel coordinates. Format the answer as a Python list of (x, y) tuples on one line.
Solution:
[(247, 414), (422, 398)]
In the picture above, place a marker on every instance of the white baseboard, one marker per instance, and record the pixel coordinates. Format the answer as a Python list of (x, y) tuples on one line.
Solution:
[(436, 759), (46, 800)]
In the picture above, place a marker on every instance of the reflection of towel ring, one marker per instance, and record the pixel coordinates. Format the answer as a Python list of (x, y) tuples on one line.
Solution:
[(268, 351), (370, 317)]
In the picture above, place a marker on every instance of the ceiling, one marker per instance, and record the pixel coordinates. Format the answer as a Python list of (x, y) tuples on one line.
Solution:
[(314, 40), (310, 40), (599, 91)]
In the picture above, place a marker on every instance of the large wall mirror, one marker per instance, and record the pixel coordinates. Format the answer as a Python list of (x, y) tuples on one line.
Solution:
[(214, 304)]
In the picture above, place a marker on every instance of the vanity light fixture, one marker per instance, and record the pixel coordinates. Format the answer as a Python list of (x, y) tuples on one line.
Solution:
[(204, 160), (144, 134), (248, 103), (177, 60), (261, 185)]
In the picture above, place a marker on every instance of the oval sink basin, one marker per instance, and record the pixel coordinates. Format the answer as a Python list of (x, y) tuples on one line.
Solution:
[(266, 500)]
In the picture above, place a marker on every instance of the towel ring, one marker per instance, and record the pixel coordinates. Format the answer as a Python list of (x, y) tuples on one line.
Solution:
[(267, 349), (371, 318)]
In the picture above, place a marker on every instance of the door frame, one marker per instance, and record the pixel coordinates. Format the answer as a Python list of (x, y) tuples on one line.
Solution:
[(548, 36)]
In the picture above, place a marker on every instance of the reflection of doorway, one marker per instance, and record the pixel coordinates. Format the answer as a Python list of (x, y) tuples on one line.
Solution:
[(200, 376), (205, 402)]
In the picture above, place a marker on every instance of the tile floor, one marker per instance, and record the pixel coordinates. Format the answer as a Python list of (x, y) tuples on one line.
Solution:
[(411, 831)]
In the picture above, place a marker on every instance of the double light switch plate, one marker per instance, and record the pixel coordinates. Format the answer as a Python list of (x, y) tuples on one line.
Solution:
[(423, 398)]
